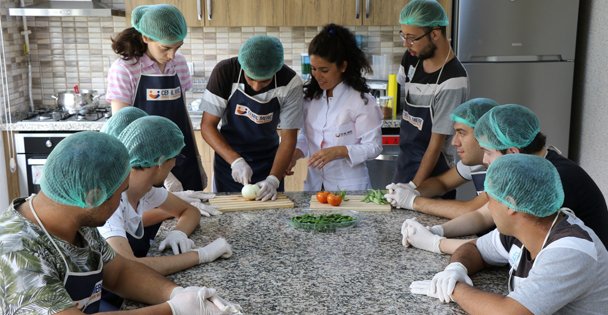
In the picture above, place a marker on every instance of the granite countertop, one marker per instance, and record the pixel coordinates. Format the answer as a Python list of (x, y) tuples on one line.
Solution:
[(276, 269)]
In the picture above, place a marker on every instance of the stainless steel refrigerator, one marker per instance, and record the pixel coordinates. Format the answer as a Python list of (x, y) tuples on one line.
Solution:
[(522, 52)]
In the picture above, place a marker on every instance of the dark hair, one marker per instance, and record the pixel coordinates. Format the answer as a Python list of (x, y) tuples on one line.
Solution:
[(535, 146), (129, 44), (337, 44), (443, 29)]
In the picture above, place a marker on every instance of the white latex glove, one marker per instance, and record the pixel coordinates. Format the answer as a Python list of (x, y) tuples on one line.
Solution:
[(173, 184), (443, 283), (213, 251), (436, 229), (401, 196), (191, 196), (205, 209), (179, 242), (193, 301), (423, 287), (404, 234), (420, 237), (225, 306), (268, 188), (241, 171)]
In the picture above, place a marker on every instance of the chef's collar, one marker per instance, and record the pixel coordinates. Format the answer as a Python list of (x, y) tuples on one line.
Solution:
[(339, 89)]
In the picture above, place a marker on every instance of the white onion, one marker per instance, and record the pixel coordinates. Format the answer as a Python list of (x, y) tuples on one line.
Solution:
[(250, 191)]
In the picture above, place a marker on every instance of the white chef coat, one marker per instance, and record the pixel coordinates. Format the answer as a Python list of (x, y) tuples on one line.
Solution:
[(341, 120), (128, 220)]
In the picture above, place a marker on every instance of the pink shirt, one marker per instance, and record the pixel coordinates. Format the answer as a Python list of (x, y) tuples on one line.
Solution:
[(123, 76)]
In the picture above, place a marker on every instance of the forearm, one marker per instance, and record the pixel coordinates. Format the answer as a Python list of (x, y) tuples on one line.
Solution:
[(450, 245), (443, 208), (217, 142), (166, 265), (160, 309), (155, 216), (468, 224), (284, 153), (188, 220), (432, 187), (136, 281), (476, 301), (469, 256)]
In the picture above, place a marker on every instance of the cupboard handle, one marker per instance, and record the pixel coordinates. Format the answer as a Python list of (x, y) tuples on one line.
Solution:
[(367, 4), (357, 13), (199, 10), (208, 8)]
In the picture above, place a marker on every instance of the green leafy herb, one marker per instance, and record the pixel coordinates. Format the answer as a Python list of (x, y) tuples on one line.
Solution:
[(376, 196), (323, 222)]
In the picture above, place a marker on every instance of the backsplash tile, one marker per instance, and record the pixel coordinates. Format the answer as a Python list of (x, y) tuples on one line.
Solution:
[(69, 50)]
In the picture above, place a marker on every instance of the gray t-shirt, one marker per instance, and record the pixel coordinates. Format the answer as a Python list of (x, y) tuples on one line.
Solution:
[(568, 276)]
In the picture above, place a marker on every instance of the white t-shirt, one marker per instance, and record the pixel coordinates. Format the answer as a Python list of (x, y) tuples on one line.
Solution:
[(128, 220), (568, 276)]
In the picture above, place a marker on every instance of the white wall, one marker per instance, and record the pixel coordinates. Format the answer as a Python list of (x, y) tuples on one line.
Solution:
[(590, 132)]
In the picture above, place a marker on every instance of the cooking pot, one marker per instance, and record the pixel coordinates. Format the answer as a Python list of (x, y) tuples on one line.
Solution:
[(72, 102)]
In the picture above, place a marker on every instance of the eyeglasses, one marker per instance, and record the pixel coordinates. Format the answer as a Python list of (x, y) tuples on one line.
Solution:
[(410, 40)]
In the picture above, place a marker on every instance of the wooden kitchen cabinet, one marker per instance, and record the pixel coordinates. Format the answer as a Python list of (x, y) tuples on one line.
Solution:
[(200, 13), (292, 183), (344, 12)]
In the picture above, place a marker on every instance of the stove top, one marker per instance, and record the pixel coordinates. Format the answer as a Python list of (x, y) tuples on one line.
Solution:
[(44, 115)]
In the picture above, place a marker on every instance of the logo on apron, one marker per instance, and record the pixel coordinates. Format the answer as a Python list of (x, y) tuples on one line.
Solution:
[(414, 121), (164, 94), (241, 110), (95, 296)]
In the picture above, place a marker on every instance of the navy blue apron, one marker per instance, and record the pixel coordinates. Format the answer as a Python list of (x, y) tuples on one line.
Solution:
[(251, 130), (83, 287), (161, 95), (414, 137)]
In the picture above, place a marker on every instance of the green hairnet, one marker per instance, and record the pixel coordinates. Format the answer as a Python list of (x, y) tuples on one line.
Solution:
[(261, 57), (423, 13), (470, 111), (162, 23), (152, 140), (85, 169), (119, 121), (507, 126), (525, 183)]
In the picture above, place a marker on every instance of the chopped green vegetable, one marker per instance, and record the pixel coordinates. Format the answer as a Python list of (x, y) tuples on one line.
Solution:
[(376, 196), (323, 222)]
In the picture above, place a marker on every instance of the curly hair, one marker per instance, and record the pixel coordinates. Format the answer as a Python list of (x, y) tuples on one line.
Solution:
[(129, 44), (337, 44)]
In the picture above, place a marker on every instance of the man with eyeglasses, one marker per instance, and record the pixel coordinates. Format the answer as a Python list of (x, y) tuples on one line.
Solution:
[(434, 82)]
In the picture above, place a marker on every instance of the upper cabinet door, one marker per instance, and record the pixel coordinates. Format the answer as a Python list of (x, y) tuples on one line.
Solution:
[(321, 12), (244, 12), (381, 12), (193, 10)]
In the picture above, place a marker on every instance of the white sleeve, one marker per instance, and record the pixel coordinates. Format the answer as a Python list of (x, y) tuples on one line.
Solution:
[(368, 132), (491, 249), (463, 170), (302, 143), (115, 225), (558, 277), (153, 198), (213, 104)]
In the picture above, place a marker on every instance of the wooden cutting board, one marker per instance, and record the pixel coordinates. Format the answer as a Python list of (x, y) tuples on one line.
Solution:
[(353, 203), (236, 202)]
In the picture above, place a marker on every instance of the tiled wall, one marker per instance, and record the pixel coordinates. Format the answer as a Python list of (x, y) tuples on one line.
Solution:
[(70, 50)]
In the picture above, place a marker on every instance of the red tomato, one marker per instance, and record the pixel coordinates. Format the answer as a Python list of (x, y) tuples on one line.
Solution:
[(334, 200), (322, 196)]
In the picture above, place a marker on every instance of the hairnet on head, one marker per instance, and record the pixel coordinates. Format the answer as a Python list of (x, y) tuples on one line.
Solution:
[(162, 23), (85, 169), (507, 126), (470, 111), (151, 141), (261, 57), (525, 183), (119, 121), (423, 13)]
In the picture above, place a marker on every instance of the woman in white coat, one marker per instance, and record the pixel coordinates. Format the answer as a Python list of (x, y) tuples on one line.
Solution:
[(342, 124)]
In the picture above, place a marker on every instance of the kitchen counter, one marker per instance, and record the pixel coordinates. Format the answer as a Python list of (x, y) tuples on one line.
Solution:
[(276, 269), (52, 125)]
